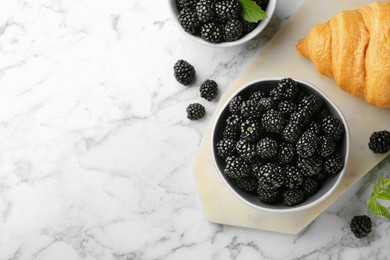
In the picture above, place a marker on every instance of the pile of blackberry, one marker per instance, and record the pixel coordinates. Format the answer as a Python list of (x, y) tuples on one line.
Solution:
[(215, 20), (281, 145)]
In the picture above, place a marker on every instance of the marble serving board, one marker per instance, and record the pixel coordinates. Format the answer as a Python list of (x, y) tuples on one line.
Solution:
[(280, 59)]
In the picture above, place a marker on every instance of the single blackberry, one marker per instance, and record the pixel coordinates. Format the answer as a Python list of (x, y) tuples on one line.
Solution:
[(188, 19), (311, 166), (205, 10), (236, 167), (307, 144), (211, 32), (234, 121), (293, 197), (247, 26), (226, 147), (286, 107), (250, 130), (208, 90), (333, 127), (294, 177), (235, 105), (286, 153), (267, 148), (291, 133), (250, 109), (300, 118), (247, 184), (380, 142), (195, 111), (311, 185), (231, 133), (273, 121), (327, 146), (287, 89), (333, 164), (257, 95), (184, 72), (232, 30), (245, 149), (312, 104), (266, 103), (274, 179), (186, 3), (361, 226), (228, 9), (268, 196)]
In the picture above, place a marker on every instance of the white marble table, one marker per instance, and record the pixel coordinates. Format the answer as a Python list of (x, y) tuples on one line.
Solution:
[(96, 152)]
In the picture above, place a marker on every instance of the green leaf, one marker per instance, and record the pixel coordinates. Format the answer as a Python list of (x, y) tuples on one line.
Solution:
[(383, 195), (251, 11), (377, 209)]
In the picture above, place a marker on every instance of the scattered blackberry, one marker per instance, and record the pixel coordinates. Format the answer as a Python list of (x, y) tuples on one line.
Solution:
[(311, 185), (273, 178), (231, 133), (266, 103), (211, 32), (287, 89), (268, 196), (291, 133), (294, 177), (250, 108), (228, 9), (234, 121), (232, 30), (307, 144), (208, 89), (248, 184), (332, 127), (380, 142), (273, 121), (250, 130), (286, 153), (195, 111), (186, 3), (257, 95), (311, 166), (315, 127), (311, 104), (361, 226), (184, 72), (226, 147), (245, 149), (293, 197), (267, 148), (235, 105), (205, 10), (327, 146), (333, 164), (286, 107), (247, 26), (236, 167), (189, 20)]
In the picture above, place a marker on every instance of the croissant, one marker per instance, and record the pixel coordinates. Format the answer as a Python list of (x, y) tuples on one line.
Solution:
[(353, 47)]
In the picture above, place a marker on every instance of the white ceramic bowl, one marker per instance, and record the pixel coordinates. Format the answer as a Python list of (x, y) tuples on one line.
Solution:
[(331, 182), (260, 27)]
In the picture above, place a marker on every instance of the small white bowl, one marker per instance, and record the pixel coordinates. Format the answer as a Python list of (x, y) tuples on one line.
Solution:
[(330, 184), (260, 27)]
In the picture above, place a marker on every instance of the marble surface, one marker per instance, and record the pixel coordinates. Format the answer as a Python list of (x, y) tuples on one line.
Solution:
[(96, 152)]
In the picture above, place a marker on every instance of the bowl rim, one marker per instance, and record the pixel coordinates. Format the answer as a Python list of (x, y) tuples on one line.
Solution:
[(296, 208), (259, 28)]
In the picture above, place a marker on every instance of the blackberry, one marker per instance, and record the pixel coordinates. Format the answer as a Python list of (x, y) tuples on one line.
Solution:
[(211, 32), (315, 127), (380, 142), (294, 177), (333, 127), (195, 111), (311, 104), (300, 119), (226, 147), (186, 3), (333, 164), (327, 146), (189, 20), (287, 89), (205, 10), (311, 166), (257, 95), (256, 168), (245, 149), (271, 177), (268, 196), (293, 197), (228, 9), (250, 130), (247, 26), (361, 226), (266, 103), (236, 167), (286, 107), (231, 133), (263, 169), (250, 108), (208, 90), (267, 148), (234, 121), (232, 30), (235, 105), (291, 133), (273, 121), (247, 184), (275, 95), (307, 144), (323, 113), (184, 72), (286, 153), (311, 185)]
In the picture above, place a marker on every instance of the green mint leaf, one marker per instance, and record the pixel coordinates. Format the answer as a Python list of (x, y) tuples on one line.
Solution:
[(383, 195), (380, 191), (251, 11)]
